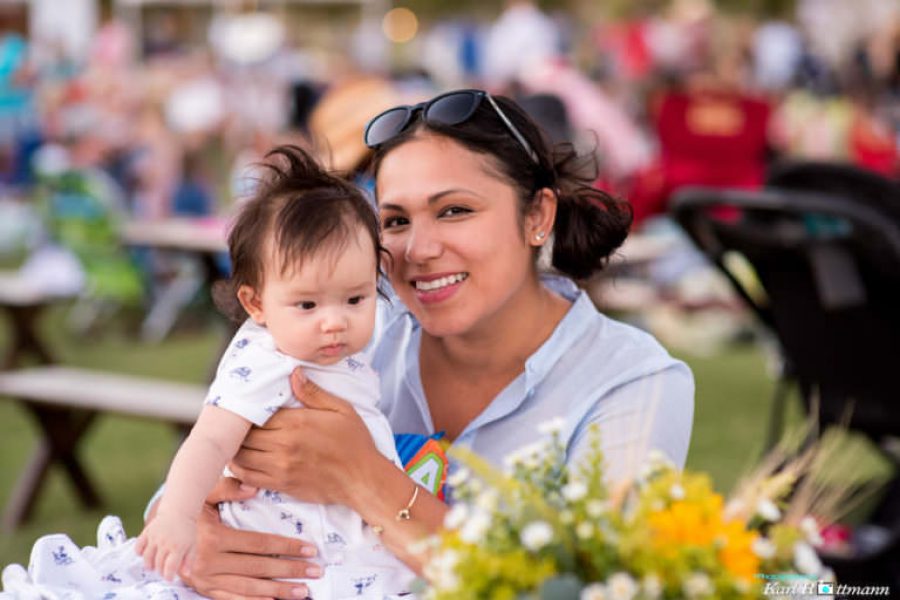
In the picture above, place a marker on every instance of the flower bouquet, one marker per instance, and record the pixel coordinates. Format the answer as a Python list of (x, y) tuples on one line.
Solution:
[(542, 530)]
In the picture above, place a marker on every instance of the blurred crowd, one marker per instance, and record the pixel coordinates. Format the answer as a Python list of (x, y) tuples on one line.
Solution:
[(151, 122)]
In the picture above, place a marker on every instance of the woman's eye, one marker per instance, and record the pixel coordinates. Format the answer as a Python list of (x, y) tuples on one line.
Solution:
[(455, 211), (307, 305), (355, 300), (390, 222)]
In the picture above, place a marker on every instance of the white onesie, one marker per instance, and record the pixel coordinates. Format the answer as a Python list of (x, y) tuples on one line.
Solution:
[(253, 381)]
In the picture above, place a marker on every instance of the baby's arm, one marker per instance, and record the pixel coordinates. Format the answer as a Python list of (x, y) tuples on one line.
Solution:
[(168, 539)]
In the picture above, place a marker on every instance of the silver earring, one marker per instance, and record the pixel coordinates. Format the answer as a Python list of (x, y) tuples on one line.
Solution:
[(539, 235)]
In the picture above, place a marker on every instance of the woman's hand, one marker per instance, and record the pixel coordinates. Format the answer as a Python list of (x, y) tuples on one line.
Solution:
[(232, 564), (316, 454)]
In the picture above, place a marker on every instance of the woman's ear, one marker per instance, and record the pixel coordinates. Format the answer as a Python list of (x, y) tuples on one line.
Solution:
[(540, 219), (252, 303)]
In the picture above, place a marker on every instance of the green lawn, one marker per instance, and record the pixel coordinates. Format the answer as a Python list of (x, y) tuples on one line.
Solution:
[(129, 457)]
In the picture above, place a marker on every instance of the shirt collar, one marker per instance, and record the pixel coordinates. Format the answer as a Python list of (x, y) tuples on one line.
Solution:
[(539, 364)]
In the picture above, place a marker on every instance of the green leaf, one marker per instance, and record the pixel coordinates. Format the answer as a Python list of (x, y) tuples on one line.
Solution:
[(563, 587)]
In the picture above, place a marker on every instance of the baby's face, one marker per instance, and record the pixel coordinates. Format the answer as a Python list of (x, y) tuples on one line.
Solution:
[(325, 310)]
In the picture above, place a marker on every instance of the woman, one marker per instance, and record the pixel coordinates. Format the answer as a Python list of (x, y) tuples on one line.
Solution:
[(481, 348)]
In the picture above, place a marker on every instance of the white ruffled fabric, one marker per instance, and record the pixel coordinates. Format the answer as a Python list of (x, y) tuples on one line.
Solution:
[(60, 570)]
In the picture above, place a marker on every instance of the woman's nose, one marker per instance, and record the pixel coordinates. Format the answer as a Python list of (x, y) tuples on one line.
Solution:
[(422, 244)]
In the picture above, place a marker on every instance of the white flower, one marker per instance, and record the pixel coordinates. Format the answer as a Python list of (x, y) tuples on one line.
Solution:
[(676, 492), (621, 586), (456, 516), (487, 500), (595, 591), (458, 477), (574, 491), (529, 454), (596, 508), (584, 530), (809, 526), (536, 535), (697, 585), (656, 462), (566, 517), (552, 427), (512, 460), (806, 559), (441, 571), (766, 509), (473, 530), (763, 548), (651, 586)]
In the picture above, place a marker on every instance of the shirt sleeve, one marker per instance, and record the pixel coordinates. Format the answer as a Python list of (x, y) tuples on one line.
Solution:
[(655, 412), (253, 383)]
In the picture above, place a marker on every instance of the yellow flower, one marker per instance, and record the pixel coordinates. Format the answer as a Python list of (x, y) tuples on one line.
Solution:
[(737, 553), (683, 523)]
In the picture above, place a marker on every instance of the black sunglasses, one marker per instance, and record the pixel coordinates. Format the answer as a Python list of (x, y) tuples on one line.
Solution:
[(451, 108)]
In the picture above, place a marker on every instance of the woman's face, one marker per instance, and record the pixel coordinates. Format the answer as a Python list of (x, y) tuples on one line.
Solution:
[(451, 224)]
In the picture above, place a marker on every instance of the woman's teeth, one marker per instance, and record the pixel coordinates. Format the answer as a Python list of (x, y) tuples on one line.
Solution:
[(427, 286)]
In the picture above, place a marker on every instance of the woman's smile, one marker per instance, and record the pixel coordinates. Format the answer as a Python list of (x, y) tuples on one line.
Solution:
[(431, 289)]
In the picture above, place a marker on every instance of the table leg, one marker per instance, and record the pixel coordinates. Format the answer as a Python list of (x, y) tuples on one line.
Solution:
[(62, 430), (24, 323)]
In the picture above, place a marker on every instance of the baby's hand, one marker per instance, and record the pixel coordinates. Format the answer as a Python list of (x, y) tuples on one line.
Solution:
[(167, 543)]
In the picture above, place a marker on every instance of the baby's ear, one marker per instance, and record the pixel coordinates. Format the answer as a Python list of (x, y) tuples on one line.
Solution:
[(252, 303)]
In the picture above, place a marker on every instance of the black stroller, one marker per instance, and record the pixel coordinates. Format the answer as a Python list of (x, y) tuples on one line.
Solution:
[(828, 264)]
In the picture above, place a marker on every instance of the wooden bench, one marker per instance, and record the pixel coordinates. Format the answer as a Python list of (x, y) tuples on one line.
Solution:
[(65, 401)]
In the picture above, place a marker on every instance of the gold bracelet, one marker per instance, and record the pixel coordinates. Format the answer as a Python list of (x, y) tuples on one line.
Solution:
[(403, 514)]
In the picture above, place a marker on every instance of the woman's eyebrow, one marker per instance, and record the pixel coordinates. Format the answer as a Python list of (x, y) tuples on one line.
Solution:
[(432, 198)]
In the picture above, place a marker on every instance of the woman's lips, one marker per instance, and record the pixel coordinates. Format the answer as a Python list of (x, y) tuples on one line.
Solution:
[(437, 288)]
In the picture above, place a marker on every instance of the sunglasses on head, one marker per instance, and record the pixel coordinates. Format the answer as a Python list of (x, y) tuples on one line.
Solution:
[(451, 108)]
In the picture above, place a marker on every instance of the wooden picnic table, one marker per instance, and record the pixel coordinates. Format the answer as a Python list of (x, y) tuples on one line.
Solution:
[(65, 401), (24, 303)]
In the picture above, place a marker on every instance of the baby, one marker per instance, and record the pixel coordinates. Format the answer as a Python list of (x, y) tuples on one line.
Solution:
[(305, 258)]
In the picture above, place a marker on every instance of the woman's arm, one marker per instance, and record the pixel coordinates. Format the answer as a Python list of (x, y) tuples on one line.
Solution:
[(653, 413), (324, 453)]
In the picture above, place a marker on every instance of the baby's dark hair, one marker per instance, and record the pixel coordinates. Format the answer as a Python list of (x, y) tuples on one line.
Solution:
[(305, 209)]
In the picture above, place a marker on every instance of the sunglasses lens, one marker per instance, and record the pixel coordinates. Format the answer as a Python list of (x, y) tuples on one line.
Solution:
[(452, 109), (386, 126)]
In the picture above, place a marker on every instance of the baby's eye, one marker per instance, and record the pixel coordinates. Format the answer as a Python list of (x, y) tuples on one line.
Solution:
[(355, 300), (307, 305)]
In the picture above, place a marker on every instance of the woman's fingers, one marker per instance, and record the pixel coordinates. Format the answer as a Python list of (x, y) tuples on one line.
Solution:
[(253, 542), (312, 396), (252, 477), (248, 458), (267, 567), (246, 587), (228, 489)]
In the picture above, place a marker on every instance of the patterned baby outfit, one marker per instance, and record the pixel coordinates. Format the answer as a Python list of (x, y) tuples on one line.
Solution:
[(252, 381)]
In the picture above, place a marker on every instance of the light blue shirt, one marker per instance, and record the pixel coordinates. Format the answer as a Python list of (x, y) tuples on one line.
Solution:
[(592, 369)]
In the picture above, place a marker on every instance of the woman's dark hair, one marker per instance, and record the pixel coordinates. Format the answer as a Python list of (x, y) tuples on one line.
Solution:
[(305, 209), (590, 224)]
